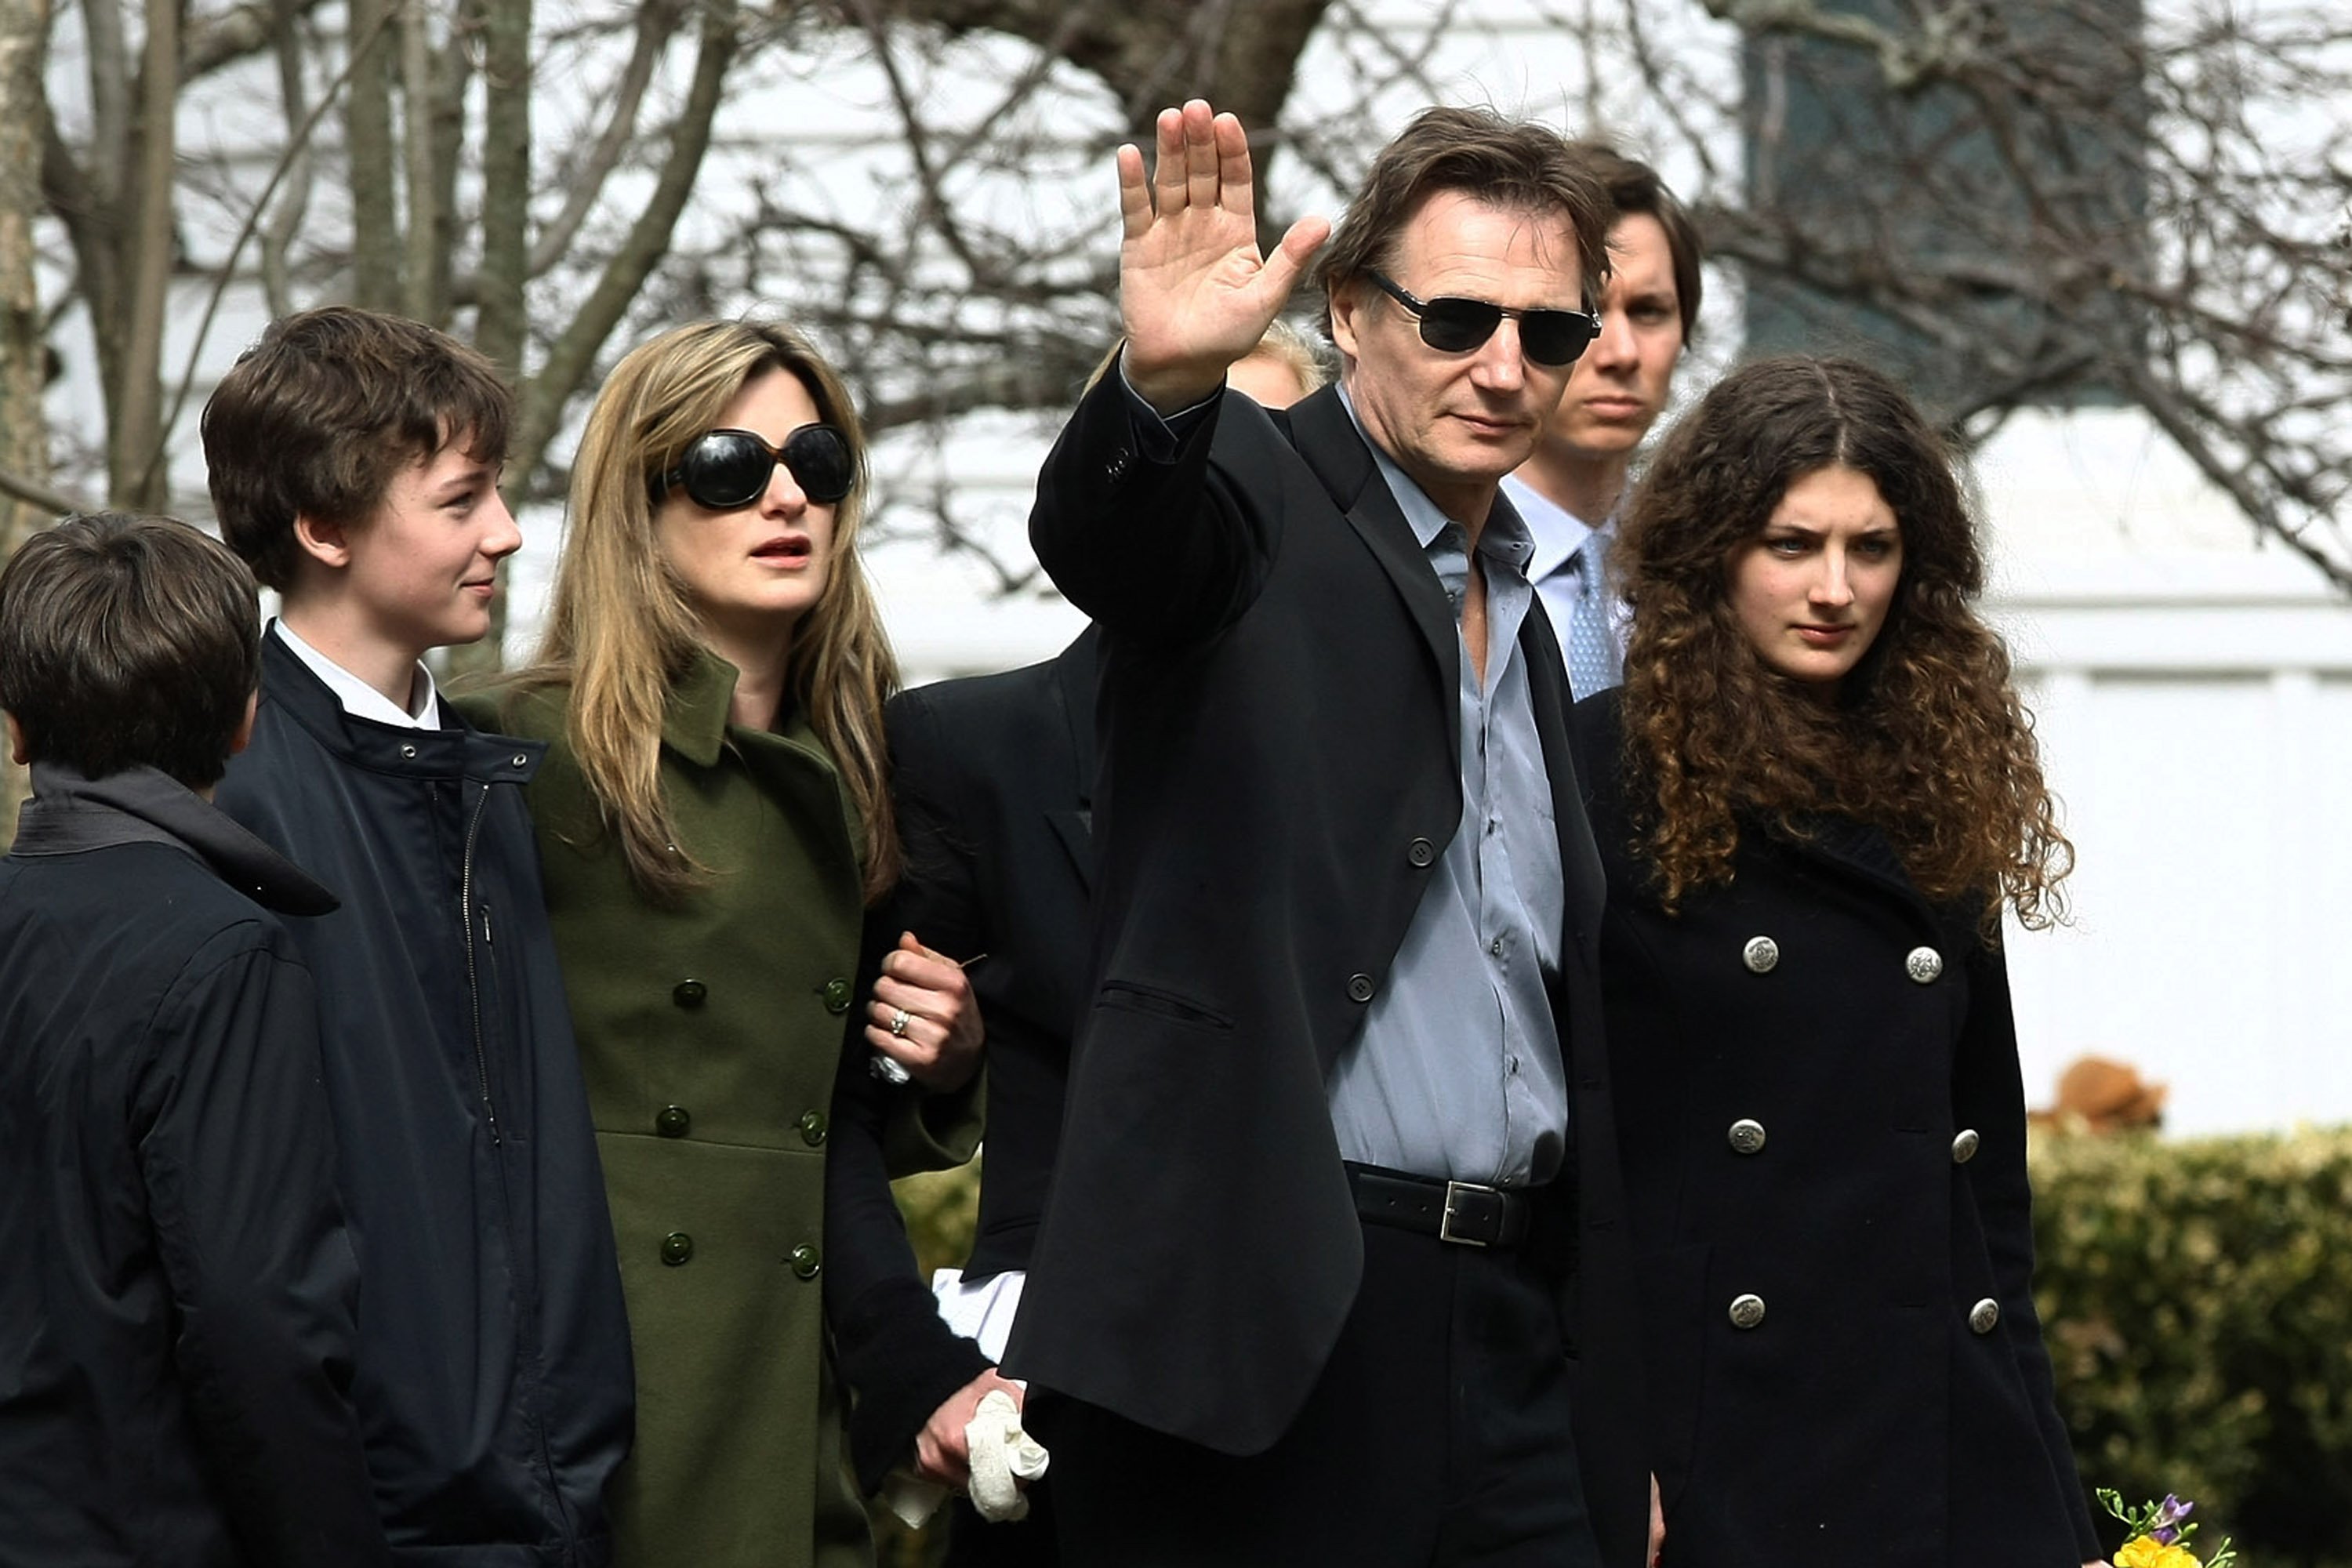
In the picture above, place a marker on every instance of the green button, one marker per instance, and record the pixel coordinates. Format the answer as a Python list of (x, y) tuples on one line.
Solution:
[(813, 1128), (690, 994), (806, 1261), (837, 996), (673, 1121), (677, 1247)]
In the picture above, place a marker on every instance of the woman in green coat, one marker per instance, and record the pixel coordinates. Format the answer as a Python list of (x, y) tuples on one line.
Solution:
[(713, 818)]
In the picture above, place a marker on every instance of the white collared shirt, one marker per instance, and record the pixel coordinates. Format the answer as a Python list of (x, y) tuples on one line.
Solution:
[(360, 699), (1558, 534)]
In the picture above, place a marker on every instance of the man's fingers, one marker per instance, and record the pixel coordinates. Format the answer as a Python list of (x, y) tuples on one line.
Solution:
[(1290, 257), (1168, 173), (1201, 162), (1234, 177), (1134, 192)]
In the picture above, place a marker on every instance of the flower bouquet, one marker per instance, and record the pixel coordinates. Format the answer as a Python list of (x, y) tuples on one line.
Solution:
[(2160, 1534)]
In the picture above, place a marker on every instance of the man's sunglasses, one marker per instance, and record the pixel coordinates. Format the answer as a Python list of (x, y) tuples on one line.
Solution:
[(723, 469), (1455, 326)]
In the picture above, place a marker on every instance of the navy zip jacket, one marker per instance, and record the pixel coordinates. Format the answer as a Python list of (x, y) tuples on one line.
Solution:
[(175, 1307), (493, 1381)]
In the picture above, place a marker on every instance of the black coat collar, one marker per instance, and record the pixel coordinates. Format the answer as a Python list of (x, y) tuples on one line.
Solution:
[(456, 750), (70, 813)]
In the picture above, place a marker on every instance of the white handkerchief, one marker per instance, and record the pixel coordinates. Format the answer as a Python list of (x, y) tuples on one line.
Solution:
[(1004, 1456)]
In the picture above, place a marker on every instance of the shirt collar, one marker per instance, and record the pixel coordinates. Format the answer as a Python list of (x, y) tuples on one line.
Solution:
[(1557, 533), (1503, 537), (360, 699)]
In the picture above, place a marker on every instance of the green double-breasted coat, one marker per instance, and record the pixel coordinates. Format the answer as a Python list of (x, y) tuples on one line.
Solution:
[(709, 1033)]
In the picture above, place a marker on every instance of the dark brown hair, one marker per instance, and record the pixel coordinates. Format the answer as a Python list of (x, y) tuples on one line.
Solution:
[(1509, 164), (1634, 188), (126, 642), (317, 418), (1927, 739)]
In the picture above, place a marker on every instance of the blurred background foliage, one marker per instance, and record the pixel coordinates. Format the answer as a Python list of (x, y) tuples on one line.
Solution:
[(2196, 1296), (2197, 1299)]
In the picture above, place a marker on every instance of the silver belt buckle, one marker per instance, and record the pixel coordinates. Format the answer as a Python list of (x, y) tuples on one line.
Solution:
[(1454, 1191)]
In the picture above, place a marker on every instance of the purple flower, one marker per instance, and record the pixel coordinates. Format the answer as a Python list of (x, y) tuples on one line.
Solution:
[(2169, 1516)]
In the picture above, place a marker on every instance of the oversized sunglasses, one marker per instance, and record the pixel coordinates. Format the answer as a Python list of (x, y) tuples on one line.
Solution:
[(723, 470), (1454, 325)]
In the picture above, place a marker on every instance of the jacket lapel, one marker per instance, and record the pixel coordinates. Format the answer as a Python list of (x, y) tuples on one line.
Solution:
[(1328, 439), (1580, 860)]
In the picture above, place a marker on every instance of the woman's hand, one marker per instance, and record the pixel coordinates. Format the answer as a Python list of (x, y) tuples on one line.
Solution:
[(924, 1016)]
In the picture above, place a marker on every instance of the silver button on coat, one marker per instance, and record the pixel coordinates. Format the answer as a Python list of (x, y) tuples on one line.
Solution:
[(1964, 1146), (1985, 1316), (1746, 1312), (1761, 954), (1922, 965), (1746, 1136)]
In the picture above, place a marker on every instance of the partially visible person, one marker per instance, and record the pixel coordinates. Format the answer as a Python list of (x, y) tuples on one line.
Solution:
[(176, 1315), (714, 816), (1284, 367), (353, 459), (1815, 797), (993, 779), (1569, 487)]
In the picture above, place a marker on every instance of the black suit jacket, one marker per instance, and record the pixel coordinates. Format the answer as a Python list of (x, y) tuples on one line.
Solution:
[(992, 780), (1279, 730)]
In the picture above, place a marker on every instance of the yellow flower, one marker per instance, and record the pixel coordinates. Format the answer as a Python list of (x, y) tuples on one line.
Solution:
[(2145, 1552)]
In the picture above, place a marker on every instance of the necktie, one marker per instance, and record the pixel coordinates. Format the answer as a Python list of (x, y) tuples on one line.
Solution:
[(1592, 662)]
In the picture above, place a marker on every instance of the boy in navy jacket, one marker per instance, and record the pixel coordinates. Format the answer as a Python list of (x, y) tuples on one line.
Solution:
[(353, 460), (176, 1313)]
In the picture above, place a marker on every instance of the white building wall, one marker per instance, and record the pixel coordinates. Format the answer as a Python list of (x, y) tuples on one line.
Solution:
[(2194, 699)]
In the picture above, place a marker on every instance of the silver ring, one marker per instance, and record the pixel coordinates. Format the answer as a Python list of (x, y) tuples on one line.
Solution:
[(899, 1023)]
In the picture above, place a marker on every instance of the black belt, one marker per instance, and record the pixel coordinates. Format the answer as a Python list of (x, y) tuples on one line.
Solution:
[(1460, 1211)]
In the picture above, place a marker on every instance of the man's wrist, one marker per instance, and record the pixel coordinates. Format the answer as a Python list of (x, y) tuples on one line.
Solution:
[(1170, 390)]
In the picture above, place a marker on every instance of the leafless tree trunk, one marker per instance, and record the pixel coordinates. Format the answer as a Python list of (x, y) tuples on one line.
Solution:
[(24, 347), (500, 314), (367, 137), (135, 446)]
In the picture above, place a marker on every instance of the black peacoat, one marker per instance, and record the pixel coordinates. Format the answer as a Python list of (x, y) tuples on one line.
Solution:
[(1278, 735), (1819, 1105)]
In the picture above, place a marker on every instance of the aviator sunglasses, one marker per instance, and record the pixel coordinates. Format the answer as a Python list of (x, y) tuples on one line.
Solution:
[(723, 470), (1452, 325)]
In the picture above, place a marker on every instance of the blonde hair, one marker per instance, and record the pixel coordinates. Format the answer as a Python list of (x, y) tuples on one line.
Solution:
[(621, 630), (1292, 348)]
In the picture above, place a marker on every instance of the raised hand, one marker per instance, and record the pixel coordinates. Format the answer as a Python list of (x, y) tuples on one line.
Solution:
[(1195, 294)]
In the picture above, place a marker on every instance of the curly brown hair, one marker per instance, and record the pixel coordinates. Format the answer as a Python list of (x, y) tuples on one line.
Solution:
[(1927, 739)]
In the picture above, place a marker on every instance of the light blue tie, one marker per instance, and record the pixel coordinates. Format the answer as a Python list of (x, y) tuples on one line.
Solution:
[(1592, 662)]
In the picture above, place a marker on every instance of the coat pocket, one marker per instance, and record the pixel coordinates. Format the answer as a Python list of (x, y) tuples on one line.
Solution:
[(1137, 998)]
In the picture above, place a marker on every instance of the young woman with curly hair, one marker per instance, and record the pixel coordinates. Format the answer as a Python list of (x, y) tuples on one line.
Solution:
[(713, 818), (1815, 795)]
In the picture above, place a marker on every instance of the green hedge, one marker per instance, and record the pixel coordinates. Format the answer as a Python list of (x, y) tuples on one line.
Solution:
[(2197, 1298)]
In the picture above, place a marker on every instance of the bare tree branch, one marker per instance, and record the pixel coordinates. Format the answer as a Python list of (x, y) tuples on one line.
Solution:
[(574, 351), (583, 183)]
